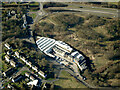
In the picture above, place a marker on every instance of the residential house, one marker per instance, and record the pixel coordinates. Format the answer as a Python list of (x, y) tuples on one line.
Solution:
[(9, 52), (13, 12), (7, 46), (17, 54), (9, 72), (22, 58), (32, 78), (27, 74), (10, 87), (35, 68), (34, 82), (64, 63), (29, 63), (13, 63), (7, 58), (41, 73), (18, 78)]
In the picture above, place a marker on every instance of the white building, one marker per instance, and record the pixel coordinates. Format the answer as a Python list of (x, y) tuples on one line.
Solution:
[(35, 68), (29, 63), (45, 45), (27, 74), (41, 73), (17, 54), (22, 58), (13, 63), (32, 78), (7, 46), (34, 82), (63, 46), (7, 58), (65, 63), (60, 49), (9, 52)]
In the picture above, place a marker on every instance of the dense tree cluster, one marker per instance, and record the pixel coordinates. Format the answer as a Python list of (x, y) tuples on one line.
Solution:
[(105, 4), (13, 26), (69, 20), (113, 28), (95, 21), (29, 51), (53, 4)]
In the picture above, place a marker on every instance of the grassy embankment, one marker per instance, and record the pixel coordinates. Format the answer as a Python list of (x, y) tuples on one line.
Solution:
[(68, 81), (92, 35)]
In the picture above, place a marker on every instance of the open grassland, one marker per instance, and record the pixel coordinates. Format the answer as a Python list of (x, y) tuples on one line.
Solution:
[(97, 37), (33, 15), (68, 81)]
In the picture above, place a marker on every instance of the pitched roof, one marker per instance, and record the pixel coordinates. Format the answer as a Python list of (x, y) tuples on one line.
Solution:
[(7, 44), (7, 56), (27, 74), (41, 72), (32, 77)]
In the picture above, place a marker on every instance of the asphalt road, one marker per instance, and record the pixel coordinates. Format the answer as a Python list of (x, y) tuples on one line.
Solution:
[(99, 12)]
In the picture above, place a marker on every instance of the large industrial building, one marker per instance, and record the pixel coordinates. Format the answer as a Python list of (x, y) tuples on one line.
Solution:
[(61, 50)]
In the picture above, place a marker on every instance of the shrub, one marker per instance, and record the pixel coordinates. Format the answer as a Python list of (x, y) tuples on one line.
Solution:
[(69, 20), (53, 4)]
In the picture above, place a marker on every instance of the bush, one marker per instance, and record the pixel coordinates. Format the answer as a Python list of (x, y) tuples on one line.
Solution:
[(69, 20), (95, 21), (88, 33), (114, 56), (53, 4)]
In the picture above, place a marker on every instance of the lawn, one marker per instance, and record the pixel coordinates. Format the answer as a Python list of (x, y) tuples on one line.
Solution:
[(33, 15), (34, 4), (66, 81), (23, 72)]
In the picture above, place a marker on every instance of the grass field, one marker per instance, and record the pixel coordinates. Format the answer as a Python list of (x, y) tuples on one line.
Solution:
[(67, 81), (92, 37), (33, 15)]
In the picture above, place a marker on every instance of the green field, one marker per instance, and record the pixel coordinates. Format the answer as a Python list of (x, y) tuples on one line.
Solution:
[(68, 81), (33, 15), (95, 36)]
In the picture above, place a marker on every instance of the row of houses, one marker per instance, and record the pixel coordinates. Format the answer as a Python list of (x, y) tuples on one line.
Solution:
[(27, 62), (11, 61), (34, 80), (28, 75), (7, 46)]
